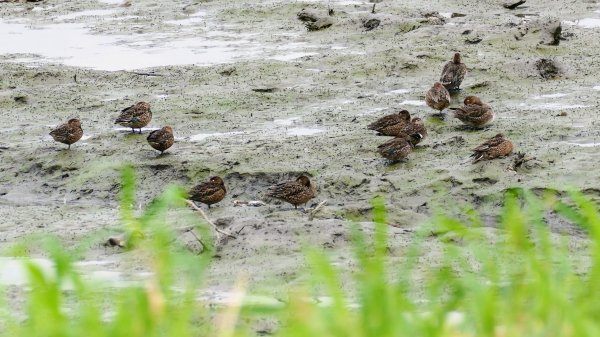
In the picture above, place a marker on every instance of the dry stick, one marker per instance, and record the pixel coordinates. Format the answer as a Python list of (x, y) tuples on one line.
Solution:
[(316, 209), (145, 74), (515, 5), (219, 231), (190, 229)]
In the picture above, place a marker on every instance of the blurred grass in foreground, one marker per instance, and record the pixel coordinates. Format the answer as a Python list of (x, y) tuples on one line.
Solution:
[(521, 282)]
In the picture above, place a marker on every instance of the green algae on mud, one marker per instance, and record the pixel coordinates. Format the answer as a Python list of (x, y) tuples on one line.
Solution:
[(315, 123)]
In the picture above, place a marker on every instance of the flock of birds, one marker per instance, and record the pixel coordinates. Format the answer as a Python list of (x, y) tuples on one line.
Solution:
[(407, 134), (474, 113), (137, 116)]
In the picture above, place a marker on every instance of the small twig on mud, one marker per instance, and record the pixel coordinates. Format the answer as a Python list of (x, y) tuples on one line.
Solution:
[(219, 231), (190, 229), (240, 230), (145, 74), (314, 211), (514, 5)]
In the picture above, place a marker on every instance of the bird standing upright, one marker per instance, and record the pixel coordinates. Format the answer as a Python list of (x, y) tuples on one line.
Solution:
[(135, 117), (453, 73), (68, 133)]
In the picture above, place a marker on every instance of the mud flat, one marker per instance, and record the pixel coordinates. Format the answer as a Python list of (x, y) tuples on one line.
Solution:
[(255, 98)]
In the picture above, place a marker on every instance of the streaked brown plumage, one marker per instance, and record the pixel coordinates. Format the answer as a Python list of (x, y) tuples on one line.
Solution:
[(496, 147), (475, 113), (68, 133), (453, 73), (209, 192), (161, 139), (136, 116), (295, 192), (415, 130), (391, 125), (437, 97), (398, 148)]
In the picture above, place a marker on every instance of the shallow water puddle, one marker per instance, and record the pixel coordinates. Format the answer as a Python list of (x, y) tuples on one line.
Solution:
[(303, 131), (97, 12), (202, 136), (150, 129), (585, 142), (192, 20), (412, 102), (14, 271), (589, 23), (76, 44), (557, 95), (551, 106)]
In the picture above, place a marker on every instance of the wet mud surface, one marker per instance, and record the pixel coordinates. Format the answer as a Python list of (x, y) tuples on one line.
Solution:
[(255, 98)]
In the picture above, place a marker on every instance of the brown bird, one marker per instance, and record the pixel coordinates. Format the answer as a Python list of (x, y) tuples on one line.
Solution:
[(209, 192), (437, 97), (496, 147), (453, 73), (475, 113), (295, 192), (398, 148), (415, 130), (161, 139), (68, 133), (391, 125), (135, 117)]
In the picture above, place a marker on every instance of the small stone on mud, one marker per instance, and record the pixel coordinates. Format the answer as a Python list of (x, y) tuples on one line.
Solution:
[(21, 99), (473, 40), (114, 242), (320, 24), (228, 71), (371, 24), (309, 15), (265, 90), (224, 222), (547, 69)]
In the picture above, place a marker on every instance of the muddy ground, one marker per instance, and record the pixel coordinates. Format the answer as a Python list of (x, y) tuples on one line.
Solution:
[(322, 92)]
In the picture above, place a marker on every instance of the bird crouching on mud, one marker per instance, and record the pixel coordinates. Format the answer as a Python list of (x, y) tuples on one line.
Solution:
[(453, 73), (399, 148), (295, 192), (416, 131), (68, 133), (210, 192), (161, 139), (496, 147), (135, 117), (391, 125), (437, 98), (475, 113)]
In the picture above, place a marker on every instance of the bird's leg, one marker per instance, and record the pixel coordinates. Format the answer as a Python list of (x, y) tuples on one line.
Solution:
[(132, 130), (69, 147)]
